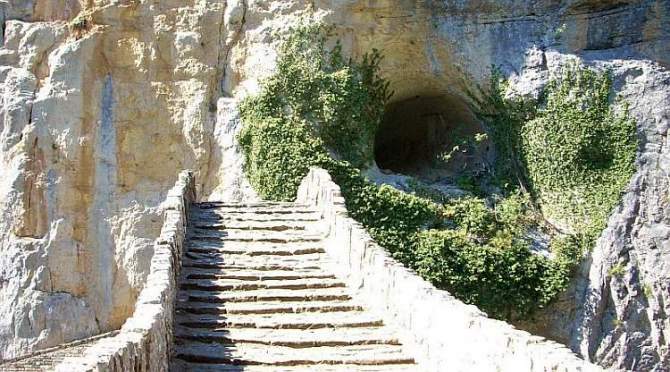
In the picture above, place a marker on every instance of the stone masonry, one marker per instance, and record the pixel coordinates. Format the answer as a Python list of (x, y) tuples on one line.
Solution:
[(255, 295), (145, 340), (294, 287), (442, 332)]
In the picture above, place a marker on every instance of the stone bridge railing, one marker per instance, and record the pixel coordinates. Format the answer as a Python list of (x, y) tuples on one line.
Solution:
[(144, 341), (442, 332)]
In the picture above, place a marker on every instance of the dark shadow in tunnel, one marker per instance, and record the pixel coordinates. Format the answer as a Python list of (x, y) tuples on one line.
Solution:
[(417, 133)]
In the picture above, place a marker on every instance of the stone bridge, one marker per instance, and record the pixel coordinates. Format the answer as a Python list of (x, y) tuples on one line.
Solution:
[(292, 287)]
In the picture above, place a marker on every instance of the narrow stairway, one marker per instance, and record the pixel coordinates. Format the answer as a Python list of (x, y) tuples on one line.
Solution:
[(254, 296)]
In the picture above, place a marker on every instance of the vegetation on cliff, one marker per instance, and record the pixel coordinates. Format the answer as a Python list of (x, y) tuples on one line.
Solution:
[(570, 152)]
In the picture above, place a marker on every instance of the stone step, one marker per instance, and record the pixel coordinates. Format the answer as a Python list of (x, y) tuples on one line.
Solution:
[(241, 260), (295, 338), (245, 285), (247, 206), (251, 233), (348, 319), (253, 295), (268, 210), (220, 265), (264, 295), (268, 307), (182, 366), (232, 257), (254, 211), (254, 275), (254, 354), (251, 218), (254, 249), (285, 214), (250, 237), (214, 244), (250, 226)]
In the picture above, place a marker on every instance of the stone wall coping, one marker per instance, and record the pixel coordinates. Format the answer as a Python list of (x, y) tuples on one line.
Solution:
[(441, 331)]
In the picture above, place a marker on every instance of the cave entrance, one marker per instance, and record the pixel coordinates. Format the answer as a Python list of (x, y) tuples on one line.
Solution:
[(430, 137)]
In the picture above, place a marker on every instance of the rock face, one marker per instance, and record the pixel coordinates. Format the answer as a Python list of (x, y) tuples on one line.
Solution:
[(99, 114), (622, 316), (105, 101)]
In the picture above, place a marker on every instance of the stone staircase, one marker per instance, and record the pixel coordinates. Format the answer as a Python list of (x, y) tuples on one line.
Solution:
[(254, 295)]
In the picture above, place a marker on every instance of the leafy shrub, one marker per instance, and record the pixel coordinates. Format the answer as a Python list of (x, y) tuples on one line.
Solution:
[(570, 150), (472, 215), (342, 100), (617, 270), (509, 282), (505, 118), (579, 153), (484, 257), (276, 171), (320, 109)]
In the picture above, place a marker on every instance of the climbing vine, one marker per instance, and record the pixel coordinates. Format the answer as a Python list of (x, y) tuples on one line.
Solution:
[(321, 109), (579, 153), (571, 150), (341, 100)]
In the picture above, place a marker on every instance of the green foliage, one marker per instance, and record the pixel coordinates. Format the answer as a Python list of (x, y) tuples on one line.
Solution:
[(484, 257), (276, 171), (570, 151), (423, 191), (617, 270), (470, 183), (505, 118), (320, 109), (509, 282), (472, 215), (342, 100), (392, 217), (462, 144), (648, 291), (579, 153)]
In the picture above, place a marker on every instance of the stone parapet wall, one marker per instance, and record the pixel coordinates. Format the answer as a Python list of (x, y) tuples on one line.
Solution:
[(144, 341), (443, 331)]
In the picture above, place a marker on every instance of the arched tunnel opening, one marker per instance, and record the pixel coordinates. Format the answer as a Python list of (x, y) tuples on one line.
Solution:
[(430, 137)]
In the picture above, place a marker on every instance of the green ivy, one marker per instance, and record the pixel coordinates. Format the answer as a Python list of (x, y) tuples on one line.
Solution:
[(276, 171), (570, 149), (505, 117), (579, 153), (508, 282), (342, 100), (320, 109), (483, 257)]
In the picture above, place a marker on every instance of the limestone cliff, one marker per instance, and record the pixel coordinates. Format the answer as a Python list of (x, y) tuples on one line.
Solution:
[(105, 101)]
